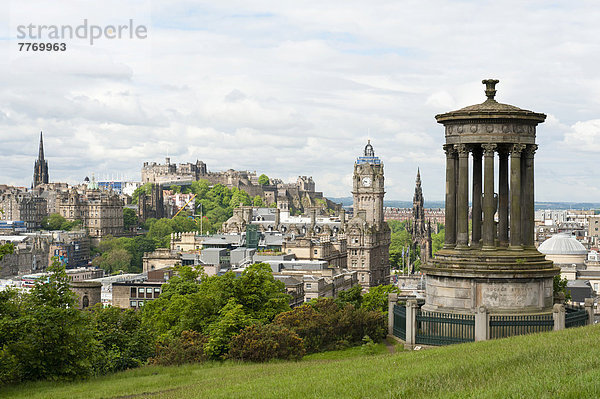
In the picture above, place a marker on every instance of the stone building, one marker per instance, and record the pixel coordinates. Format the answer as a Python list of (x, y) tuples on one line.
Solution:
[(420, 227), (495, 267), (29, 256), (100, 211), (88, 293), (367, 234), (594, 229), (18, 203), (159, 259), (299, 195), (169, 173), (40, 168), (134, 295), (71, 248), (151, 205), (50, 192)]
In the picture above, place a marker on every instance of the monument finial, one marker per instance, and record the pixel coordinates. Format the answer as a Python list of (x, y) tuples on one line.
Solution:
[(490, 87)]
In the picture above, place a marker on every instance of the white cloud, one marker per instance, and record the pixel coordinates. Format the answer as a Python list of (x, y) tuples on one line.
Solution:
[(584, 136), (297, 88)]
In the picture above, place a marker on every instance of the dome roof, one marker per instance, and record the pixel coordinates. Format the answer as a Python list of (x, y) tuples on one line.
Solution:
[(562, 244), (491, 109)]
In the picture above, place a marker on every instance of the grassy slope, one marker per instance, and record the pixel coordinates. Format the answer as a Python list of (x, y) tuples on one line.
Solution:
[(563, 364)]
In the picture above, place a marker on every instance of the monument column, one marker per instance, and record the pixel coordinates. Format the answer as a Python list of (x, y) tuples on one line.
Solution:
[(476, 231), (503, 199), (515, 196), (527, 195), (462, 203), (488, 198), (450, 240)]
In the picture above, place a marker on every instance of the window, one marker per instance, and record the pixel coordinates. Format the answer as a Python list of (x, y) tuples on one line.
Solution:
[(156, 292), (148, 292), (315, 251), (133, 304), (133, 292), (141, 304), (596, 287), (308, 285)]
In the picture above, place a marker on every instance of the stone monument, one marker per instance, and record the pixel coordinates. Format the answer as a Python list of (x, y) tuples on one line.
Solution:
[(495, 264)]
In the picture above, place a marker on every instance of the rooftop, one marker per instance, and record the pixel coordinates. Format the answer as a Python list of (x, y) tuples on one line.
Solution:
[(490, 108), (562, 244)]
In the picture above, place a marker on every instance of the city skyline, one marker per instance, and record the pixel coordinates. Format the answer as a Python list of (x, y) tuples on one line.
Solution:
[(289, 90)]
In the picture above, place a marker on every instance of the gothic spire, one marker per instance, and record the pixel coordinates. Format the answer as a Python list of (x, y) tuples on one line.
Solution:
[(40, 167), (41, 153)]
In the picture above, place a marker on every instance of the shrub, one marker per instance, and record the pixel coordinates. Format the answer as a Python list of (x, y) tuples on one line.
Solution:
[(323, 325), (260, 343), (187, 348)]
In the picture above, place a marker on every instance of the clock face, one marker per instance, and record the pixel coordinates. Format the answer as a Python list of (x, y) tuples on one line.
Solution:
[(366, 181)]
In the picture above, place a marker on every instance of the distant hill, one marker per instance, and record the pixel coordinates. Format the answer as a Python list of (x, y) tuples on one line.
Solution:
[(347, 201)]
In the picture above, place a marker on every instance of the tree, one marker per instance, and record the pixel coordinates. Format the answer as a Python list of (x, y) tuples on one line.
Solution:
[(144, 188), (6, 249), (56, 222), (54, 340), (352, 296), (161, 231), (53, 222), (175, 189), (263, 180), (231, 321), (115, 260), (377, 297), (258, 201), (560, 286), (126, 342), (130, 219), (437, 240), (260, 294)]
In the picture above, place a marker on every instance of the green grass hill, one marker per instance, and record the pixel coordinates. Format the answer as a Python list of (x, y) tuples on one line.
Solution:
[(564, 364)]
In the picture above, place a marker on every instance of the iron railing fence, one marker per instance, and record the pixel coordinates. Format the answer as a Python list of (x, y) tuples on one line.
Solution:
[(502, 326), (575, 316), (400, 321), (435, 328)]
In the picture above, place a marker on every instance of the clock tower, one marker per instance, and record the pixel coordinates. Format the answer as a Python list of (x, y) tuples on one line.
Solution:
[(367, 234)]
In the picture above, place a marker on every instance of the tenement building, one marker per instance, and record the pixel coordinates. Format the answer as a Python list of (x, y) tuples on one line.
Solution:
[(494, 265), (18, 203), (101, 211)]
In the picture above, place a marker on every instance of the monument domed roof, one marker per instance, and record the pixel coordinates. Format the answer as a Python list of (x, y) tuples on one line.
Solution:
[(562, 244), (490, 109)]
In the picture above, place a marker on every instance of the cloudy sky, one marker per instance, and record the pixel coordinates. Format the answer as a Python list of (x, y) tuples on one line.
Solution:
[(292, 88)]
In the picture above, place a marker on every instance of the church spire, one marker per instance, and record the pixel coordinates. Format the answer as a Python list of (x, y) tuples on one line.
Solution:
[(40, 168), (41, 153)]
